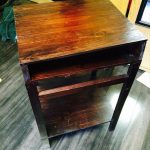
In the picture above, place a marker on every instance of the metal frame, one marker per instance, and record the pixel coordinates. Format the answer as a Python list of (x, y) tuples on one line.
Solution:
[(141, 10)]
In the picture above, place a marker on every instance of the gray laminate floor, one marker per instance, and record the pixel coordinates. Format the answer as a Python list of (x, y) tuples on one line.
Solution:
[(18, 130)]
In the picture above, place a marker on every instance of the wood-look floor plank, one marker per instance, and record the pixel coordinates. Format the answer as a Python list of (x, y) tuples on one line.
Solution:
[(18, 129)]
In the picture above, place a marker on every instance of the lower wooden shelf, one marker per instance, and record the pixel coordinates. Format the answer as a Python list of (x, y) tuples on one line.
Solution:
[(78, 111)]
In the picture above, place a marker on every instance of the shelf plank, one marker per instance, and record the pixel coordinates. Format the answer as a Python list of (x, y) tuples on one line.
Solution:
[(79, 111), (74, 88), (75, 65)]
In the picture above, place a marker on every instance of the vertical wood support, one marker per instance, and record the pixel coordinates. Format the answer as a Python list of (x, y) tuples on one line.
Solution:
[(35, 103), (132, 71)]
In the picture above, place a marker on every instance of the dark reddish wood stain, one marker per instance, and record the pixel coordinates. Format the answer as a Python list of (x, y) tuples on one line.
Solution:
[(82, 63), (67, 90), (63, 39), (65, 28), (74, 112)]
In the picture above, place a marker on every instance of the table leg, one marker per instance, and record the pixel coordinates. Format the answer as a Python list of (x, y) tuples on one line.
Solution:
[(34, 100), (132, 71), (35, 103)]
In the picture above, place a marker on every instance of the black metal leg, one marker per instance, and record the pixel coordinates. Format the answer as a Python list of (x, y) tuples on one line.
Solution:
[(132, 71)]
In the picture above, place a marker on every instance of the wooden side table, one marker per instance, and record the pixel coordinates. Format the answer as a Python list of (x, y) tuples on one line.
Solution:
[(61, 43)]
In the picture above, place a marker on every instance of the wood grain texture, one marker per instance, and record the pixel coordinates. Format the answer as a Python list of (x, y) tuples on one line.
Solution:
[(75, 112), (16, 117), (83, 63), (73, 88), (107, 137), (18, 129), (60, 29)]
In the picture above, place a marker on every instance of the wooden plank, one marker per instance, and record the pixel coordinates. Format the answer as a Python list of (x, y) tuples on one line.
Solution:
[(60, 29), (132, 71), (71, 89), (34, 100), (74, 112), (78, 64)]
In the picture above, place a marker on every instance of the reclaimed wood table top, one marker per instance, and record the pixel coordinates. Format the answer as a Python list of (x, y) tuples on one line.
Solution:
[(60, 29)]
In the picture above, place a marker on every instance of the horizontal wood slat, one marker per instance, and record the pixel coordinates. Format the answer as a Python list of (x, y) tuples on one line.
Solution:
[(71, 89), (77, 111), (49, 70)]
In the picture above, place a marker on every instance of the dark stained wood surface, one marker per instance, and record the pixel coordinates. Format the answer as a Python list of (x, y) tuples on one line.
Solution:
[(71, 89), (95, 36), (74, 112), (59, 29), (83, 63), (19, 129)]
